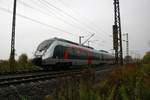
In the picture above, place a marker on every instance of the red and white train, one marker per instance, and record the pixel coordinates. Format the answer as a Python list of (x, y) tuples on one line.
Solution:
[(58, 51)]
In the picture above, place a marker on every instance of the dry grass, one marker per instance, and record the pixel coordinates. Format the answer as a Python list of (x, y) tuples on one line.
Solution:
[(128, 82)]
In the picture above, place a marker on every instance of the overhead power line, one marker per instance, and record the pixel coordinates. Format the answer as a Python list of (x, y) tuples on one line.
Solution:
[(83, 17), (49, 5), (58, 12), (52, 15), (59, 9), (36, 21), (77, 21)]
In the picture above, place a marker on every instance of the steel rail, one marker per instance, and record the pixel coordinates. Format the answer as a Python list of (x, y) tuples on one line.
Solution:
[(33, 77), (36, 77)]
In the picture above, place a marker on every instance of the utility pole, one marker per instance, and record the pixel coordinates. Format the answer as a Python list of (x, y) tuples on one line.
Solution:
[(127, 46), (127, 42), (115, 42), (80, 37), (117, 38), (12, 53)]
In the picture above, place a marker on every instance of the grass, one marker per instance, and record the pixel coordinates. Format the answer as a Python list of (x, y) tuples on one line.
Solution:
[(133, 82), (19, 66), (129, 82)]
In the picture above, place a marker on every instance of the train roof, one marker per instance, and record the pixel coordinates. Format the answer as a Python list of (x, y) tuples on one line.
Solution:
[(63, 40), (104, 51), (67, 41)]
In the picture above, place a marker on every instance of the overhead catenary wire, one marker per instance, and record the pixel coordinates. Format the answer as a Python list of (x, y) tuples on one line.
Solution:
[(58, 13), (52, 15), (56, 27), (61, 11), (84, 17), (48, 4), (31, 19), (36, 21), (75, 19)]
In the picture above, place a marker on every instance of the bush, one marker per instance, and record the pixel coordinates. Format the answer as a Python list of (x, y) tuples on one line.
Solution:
[(146, 57), (22, 64)]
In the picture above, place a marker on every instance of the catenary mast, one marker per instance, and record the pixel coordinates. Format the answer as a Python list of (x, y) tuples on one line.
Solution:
[(117, 35), (12, 53)]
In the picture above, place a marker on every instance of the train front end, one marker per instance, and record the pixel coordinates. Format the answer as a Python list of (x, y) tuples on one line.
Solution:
[(41, 52)]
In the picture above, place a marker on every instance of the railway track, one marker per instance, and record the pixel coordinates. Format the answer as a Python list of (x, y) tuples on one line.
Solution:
[(7, 80), (33, 77)]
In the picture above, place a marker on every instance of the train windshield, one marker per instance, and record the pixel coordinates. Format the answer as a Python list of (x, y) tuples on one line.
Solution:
[(44, 45)]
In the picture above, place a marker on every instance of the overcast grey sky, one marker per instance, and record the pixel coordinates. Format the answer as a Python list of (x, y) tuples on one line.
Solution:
[(38, 20)]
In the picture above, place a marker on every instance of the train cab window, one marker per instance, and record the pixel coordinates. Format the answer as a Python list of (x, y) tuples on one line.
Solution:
[(44, 45)]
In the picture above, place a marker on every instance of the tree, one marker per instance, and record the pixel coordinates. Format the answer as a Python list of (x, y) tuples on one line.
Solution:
[(128, 59), (23, 61), (146, 57)]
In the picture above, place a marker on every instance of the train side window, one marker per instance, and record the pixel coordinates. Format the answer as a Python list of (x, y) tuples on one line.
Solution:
[(75, 53), (102, 56), (61, 52), (97, 56), (82, 54), (71, 52), (58, 52), (94, 56), (85, 55)]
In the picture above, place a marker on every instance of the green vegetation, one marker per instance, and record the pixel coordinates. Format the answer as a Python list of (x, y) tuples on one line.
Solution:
[(22, 64), (146, 57), (130, 82)]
